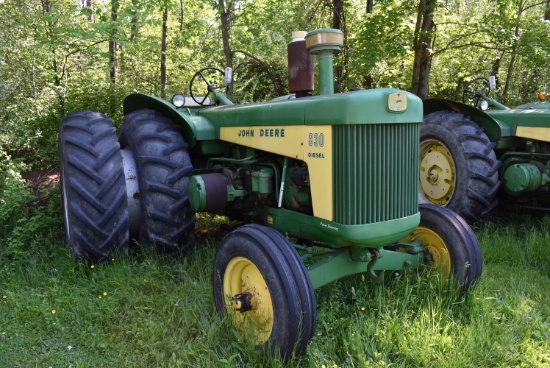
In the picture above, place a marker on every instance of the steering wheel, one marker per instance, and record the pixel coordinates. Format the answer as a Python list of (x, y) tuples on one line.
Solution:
[(474, 90), (202, 92)]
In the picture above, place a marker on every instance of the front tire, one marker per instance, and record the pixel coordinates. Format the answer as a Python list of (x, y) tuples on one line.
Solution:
[(458, 167), (93, 187), (163, 167), (450, 244), (260, 280)]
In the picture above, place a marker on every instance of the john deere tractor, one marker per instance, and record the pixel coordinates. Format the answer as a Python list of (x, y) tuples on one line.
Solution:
[(325, 186), (479, 151)]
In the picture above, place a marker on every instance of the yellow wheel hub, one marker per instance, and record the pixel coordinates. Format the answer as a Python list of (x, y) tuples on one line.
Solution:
[(439, 254), (437, 172), (248, 299)]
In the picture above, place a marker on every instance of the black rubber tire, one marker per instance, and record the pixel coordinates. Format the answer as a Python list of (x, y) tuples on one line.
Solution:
[(163, 168), (287, 279), (95, 207), (476, 180), (464, 254)]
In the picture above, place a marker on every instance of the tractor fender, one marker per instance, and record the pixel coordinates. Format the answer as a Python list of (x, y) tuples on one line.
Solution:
[(493, 128), (195, 128)]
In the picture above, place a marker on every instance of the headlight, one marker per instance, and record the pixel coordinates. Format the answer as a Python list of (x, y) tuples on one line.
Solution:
[(178, 100), (484, 105)]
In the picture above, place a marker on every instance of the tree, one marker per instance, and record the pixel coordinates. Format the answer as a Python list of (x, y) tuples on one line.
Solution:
[(163, 47), (424, 34)]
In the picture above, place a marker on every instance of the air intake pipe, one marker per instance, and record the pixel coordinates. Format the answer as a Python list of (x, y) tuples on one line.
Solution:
[(325, 43)]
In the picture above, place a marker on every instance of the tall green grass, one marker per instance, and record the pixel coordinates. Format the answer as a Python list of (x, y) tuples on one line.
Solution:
[(147, 310)]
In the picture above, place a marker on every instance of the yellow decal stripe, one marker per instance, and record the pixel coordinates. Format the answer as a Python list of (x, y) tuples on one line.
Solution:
[(538, 133), (312, 144)]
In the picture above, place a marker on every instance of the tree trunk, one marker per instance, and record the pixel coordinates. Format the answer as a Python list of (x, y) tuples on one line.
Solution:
[(113, 57), (112, 42), (181, 15), (226, 36), (368, 79), (370, 5), (424, 34), (163, 48), (338, 23), (134, 21), (90, 4), (513, 56), (57, 75)]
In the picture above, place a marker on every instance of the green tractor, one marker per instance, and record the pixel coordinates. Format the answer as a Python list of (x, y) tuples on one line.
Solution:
[(326, 186), (479, 151)]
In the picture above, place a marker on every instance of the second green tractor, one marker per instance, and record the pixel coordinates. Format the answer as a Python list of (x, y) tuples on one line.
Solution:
[(478, 154)]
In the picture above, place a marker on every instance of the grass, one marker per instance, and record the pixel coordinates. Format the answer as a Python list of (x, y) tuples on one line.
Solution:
[(153, 311)]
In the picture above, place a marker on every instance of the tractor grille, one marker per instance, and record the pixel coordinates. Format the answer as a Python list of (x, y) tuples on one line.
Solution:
[(375, 172)]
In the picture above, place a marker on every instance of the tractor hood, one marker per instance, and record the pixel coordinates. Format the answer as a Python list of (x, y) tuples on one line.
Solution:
[(352, 108), (531, 121)]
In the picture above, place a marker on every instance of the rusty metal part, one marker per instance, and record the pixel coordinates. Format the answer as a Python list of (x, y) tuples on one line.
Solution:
[(243, 302), (300, 68)]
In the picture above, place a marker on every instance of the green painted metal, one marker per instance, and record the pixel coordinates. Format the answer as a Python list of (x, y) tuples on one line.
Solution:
[(334, 235), (326, 73), (338, 265), (221, 98), (495, 104), (338, 109), (522, 177), (501, 124), (195, 128), (197, 193), (375, 172)]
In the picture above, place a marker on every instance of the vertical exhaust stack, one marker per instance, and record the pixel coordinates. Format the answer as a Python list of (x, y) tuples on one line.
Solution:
[(300, 66), (325, 43)]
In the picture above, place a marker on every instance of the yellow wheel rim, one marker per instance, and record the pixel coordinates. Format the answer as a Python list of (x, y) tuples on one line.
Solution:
[(242, 276), (440, 258), (437, 172)]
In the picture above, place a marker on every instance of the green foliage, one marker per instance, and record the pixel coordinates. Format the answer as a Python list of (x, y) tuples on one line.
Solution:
[(55, 60), (25, 217)]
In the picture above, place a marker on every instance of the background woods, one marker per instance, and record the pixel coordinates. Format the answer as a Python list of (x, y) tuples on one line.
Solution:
[(58, 56)]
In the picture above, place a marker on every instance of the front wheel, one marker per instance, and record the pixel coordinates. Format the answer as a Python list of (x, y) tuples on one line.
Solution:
[(261, 282), (450, 244)]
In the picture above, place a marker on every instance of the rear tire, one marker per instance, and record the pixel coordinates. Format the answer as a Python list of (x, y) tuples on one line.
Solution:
[(259, 260), (163, 167), (458, 167), (93, 187)]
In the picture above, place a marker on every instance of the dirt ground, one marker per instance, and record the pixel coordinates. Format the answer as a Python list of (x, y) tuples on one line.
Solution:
[(47, 179)]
